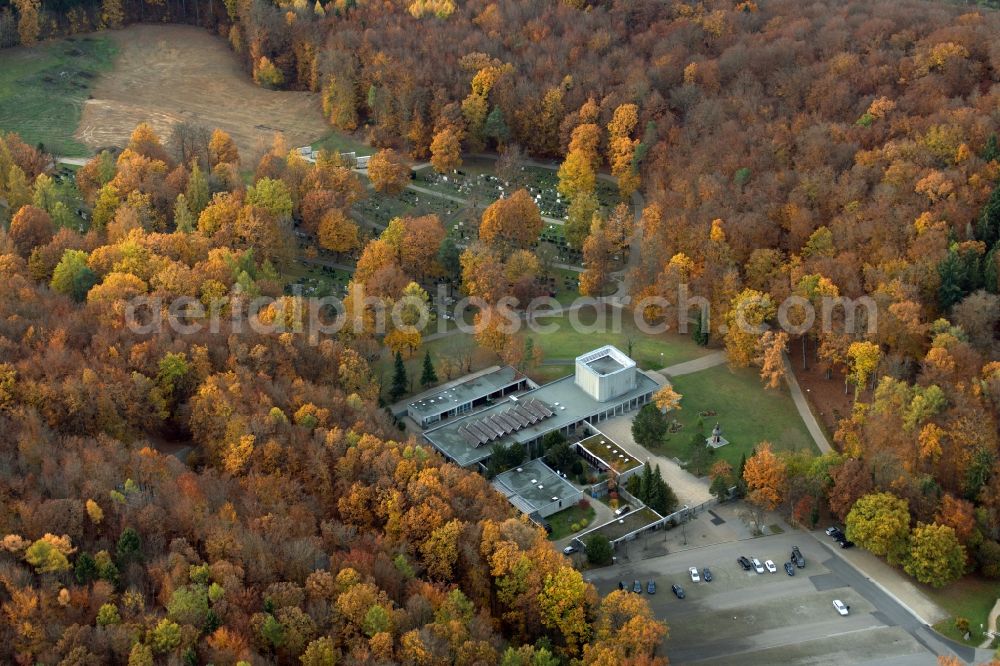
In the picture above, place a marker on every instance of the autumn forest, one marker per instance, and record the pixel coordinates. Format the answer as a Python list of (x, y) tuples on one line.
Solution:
[(773, 149)]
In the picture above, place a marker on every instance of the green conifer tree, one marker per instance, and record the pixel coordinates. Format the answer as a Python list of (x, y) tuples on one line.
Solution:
[(429, 376), (399, 383)]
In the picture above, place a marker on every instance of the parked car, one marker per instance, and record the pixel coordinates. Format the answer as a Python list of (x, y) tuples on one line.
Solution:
[(569, 550), (744, 562), (547, 527), (838, 535), (621, 585), (789, 569), (694, 574), (830, 530), (769, 565), (800, 561), (846, 543), (677, 590), (637, 587), (622, 510), (757, 566), (651, 587), (706, 575), (841, 607)]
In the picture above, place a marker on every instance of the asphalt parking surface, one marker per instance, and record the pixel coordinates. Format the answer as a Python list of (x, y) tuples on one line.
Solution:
[(750, 618)]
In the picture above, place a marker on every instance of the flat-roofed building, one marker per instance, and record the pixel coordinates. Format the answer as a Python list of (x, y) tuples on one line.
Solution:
[(462, 397), (606, 455), (536, 489), (562, 405), (605, 373)]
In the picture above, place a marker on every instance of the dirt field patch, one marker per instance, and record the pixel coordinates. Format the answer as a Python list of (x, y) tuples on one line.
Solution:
[(165, 74)]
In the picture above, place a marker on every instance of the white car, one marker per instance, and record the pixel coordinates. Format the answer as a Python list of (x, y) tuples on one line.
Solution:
[(770, 566), (694, 574), (757, 566), (841, 607)]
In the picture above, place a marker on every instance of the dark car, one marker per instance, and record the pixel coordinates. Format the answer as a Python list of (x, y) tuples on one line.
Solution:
[(789, 569), (838, 536), (547, 527), (677, 590), (745, 563), (621, 585), (706, 575), (637, 587), (800, 561), (846, 543), (651, 587)]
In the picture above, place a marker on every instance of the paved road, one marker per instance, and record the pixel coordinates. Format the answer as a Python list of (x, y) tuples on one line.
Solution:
[(802, 405), (76, 161), (798, 397), (449, 197), (772, 618), (893, 608), (327, 263), (695, 365), (690, 489)]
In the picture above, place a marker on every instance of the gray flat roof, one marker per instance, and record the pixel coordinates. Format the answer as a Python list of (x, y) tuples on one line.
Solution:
[(610, 452), (567, 401), (605, 365), (464, 392), (535, 483), (619, 527)]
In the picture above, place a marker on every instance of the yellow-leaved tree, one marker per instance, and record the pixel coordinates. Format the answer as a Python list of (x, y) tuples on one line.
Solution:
[(744, 325), (446, 151), (766, 476), (864, 358), (667, 399), (388, 172), (111, 14)]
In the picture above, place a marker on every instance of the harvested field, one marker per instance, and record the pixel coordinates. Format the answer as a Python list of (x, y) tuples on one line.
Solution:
[(166, 74)]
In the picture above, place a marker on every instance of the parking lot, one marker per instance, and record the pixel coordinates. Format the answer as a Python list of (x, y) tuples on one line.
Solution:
[(749, 618)]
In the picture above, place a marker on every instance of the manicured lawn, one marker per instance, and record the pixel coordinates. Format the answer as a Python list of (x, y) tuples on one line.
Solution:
[(563, 521), (315, 280), (566, 285), (458, 346), (478, 180), (747, 413), (652, 352), (42, 89), (343, 143), (972, 598), (377, 209), (559, 349)]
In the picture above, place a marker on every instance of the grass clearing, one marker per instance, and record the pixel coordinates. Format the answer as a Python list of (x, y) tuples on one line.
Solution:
[(559, 349), (315, 280), (42, 89), (343, 143), (476, 179), (747, 413), (459, 348), (378, 209), (562, 522), (585, 329), (971, 597)]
